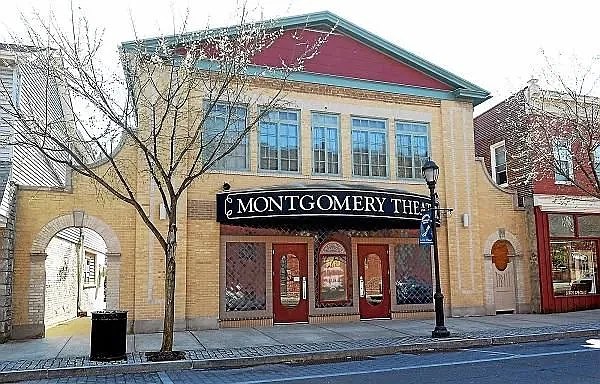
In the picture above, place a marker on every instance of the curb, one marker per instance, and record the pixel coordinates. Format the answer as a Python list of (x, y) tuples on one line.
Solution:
[(302, 357)]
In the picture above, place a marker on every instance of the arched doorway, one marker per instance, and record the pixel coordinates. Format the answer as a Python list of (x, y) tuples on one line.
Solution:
[(38, 277), (505, 274)]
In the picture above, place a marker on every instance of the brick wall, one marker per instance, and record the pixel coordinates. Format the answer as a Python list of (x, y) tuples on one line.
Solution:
[(61, 282), (503, 122), (7, 240)]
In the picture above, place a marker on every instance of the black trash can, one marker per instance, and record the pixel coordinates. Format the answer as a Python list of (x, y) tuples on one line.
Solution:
[(109, 335)]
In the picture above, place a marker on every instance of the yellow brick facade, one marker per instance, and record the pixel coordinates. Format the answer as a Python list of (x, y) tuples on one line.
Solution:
[(136, 261)]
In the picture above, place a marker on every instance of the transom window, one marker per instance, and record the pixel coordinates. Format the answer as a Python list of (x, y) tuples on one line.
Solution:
[(498, 158), (563, 162), (224, 126), (325, 129), (279, 141), (369, 147), (412, 148)]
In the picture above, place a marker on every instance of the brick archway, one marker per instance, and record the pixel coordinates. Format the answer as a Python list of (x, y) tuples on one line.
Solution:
[(37, 279), (56, 225)]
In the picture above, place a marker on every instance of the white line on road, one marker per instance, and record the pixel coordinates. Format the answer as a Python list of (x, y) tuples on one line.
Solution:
[(364, 372), (165, 378), (490, 352)]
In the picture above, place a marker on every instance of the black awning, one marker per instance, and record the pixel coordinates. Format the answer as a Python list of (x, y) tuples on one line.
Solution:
[(322, 201)]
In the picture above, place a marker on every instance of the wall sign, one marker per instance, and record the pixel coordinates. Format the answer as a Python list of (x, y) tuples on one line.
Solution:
[(320, 202)]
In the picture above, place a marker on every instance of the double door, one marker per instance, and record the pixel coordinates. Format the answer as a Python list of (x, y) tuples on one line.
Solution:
[(290, 282)]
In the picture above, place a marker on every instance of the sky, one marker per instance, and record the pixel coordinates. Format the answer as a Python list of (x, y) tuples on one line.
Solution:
[(498, 45)]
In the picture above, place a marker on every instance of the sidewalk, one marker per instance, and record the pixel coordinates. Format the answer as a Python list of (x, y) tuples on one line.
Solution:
[(235, 347)]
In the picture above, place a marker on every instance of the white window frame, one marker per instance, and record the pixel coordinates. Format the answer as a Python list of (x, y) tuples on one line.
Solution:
[(278, 137), (219, 166), (493, 164), (417, 175), (312, 146), (556, 145), (369, 130)]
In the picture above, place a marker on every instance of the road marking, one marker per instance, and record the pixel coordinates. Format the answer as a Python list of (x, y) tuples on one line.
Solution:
[(393, 369), (490, 352), (595, 343), (165, 378)]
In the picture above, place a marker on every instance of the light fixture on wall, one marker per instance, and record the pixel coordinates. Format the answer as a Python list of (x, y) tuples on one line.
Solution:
[(465, 220), (78, 217)]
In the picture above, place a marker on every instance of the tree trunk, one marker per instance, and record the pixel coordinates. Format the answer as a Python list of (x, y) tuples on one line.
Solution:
[(169, 318)]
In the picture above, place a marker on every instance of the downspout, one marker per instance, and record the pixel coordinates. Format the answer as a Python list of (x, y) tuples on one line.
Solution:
[(79, 249)]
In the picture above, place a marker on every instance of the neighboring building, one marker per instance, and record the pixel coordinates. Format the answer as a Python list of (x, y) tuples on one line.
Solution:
[(315, 218), (551, 178), (22, 86)]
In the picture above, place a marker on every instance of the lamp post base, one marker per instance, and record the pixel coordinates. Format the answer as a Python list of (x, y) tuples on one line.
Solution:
[(440, 331)]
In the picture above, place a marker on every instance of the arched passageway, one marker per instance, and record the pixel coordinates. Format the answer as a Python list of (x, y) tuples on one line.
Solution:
[(57, 235)]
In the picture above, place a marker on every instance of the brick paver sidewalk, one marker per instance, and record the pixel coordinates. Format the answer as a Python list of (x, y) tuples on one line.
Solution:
[(246, 356)]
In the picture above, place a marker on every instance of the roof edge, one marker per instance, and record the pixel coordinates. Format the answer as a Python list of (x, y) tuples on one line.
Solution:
[(464, 89)]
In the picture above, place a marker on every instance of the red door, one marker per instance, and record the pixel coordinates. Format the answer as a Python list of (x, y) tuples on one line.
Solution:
[(290, 283), (373, 281)]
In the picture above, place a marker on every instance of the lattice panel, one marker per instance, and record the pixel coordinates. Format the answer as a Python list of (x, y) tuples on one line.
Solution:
[(413, 274), (245, 281)]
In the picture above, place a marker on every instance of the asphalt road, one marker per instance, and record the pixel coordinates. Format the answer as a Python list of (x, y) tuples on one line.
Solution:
[(561, 361)]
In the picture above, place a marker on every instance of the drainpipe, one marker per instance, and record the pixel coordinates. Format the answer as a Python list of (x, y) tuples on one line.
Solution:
[(79, 249)]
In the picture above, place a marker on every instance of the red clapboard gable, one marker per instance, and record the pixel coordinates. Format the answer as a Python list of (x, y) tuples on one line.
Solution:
[(343, 56)]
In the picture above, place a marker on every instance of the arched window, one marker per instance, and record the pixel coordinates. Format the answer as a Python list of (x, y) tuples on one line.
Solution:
[(333, 264)]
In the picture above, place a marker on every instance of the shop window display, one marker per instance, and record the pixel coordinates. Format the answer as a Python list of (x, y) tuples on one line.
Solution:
[(574, 269)]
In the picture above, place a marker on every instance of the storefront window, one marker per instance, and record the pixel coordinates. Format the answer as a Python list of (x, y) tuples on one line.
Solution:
[(561, 225), (413, 274), (333, 272), (245, 279), (589, 225), (573, 267)]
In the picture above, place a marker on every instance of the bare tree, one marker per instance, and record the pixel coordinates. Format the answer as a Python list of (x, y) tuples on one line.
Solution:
[(555, 131), (184, 106)]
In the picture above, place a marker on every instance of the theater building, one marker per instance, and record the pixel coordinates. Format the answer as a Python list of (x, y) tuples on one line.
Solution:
[(318, 218)]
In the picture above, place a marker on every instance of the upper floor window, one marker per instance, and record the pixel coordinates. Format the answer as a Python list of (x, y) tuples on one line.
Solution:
[(325, 131), (224, 126), (563, 164), (412, 148), (498, 163), (279, 141), (369, 147)]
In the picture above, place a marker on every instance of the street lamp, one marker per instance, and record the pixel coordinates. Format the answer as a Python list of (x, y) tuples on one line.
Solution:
[(430, 173)]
